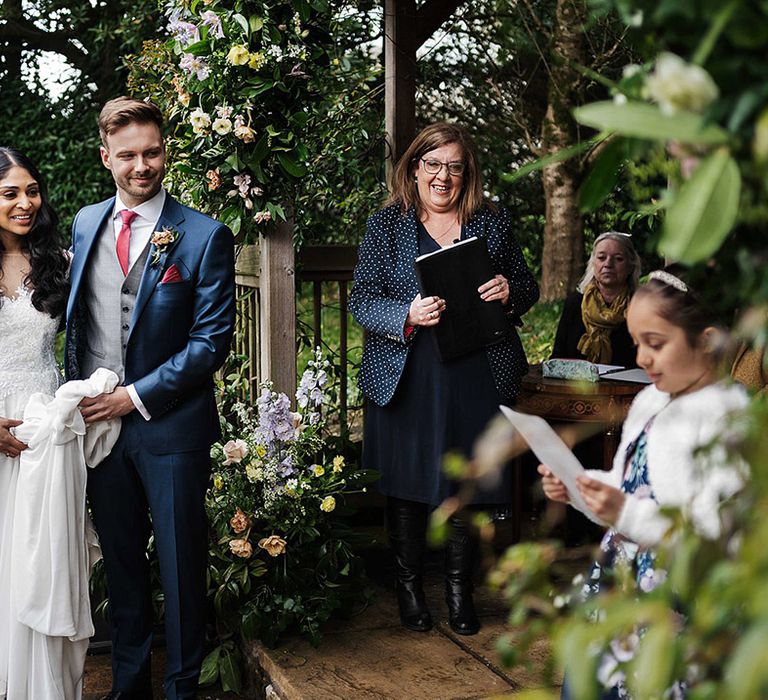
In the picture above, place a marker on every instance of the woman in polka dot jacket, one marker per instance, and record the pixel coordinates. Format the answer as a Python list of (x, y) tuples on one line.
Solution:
[(419, 407)]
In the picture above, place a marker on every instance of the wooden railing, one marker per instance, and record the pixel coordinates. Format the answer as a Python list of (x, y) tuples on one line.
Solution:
[(317, 265)]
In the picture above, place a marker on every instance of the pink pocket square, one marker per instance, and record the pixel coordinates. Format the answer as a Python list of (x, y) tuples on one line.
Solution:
[(172, 274)]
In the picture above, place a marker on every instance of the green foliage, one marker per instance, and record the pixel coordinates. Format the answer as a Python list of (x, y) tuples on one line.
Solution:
[(646, 121), (282, 557), (704, 211), (272, 113), (538, 331), (59, 131), (705, 624)]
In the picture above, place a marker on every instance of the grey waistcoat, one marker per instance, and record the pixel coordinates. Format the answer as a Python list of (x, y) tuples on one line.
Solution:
[(109, 299)]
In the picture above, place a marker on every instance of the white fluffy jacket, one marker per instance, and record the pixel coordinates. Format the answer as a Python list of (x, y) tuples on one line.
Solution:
[(695, 483)]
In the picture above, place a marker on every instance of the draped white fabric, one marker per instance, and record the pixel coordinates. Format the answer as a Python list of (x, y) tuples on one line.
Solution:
[(47, 542)]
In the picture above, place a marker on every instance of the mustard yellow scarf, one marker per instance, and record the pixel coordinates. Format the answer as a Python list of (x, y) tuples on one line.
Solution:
[(599, 320)]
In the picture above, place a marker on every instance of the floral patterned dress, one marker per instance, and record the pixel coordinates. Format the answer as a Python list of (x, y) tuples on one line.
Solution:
[(617, 549)]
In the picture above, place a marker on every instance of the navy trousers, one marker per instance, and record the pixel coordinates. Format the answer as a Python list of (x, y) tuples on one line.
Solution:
[(132, 494)]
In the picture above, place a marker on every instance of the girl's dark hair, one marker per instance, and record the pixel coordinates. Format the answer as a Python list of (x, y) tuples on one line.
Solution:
[(49, 265), (684, 308)]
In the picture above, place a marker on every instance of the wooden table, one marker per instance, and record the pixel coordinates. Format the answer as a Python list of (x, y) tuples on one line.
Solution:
[(559, 400)]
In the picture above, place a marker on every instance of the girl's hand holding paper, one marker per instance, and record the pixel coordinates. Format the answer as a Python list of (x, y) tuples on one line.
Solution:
[(603, 500)]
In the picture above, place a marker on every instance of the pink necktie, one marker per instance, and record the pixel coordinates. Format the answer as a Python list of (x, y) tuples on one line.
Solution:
[(124, 238)]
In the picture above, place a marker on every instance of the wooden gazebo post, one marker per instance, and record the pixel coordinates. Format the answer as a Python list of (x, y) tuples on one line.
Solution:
[(405, 30), (277, 316)]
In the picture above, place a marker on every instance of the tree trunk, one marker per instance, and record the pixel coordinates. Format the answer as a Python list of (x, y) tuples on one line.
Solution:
[(562, 256)]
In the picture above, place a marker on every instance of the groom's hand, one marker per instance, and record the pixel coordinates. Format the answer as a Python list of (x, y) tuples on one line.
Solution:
[(106, 406)]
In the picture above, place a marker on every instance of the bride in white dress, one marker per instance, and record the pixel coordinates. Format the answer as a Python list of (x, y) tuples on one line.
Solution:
[(33, 293)]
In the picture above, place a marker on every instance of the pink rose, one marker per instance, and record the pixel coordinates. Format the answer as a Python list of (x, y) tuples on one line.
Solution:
[(235, 451)]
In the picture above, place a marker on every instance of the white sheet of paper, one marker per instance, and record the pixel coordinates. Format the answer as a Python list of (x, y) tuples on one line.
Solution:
[(629, 375), (604, 369), (547, 445)]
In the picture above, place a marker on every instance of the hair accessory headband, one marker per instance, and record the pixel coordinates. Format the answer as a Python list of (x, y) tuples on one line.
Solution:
[(613, 233), (668, 279)]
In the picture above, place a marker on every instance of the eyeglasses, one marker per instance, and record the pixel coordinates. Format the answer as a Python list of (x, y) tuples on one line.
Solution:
[(433, 167)]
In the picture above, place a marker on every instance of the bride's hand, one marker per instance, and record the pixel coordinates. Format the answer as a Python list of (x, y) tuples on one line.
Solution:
[(9, 445)]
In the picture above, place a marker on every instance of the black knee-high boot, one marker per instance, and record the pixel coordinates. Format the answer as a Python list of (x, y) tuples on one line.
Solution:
[(460, 556), (407, 523)]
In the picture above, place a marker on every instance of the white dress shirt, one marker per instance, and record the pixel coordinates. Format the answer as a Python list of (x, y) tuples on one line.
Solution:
[(142, 228)]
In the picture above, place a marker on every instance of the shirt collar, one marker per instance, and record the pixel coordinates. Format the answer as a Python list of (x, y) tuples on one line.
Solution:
[(149, 210)]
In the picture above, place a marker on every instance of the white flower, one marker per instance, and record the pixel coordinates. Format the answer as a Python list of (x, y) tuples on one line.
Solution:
[(630, 70), (636, 19), (235, 451), (608, 672), (625, 648), (223, 112), (222, 126), (677, 85), (200, 121), (651, 578)]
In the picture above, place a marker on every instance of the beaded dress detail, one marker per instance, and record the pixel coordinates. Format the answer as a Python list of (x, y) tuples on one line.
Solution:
[(27, 361)]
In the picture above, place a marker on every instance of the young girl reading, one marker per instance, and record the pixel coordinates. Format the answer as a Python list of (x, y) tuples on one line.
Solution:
[(678, 345)]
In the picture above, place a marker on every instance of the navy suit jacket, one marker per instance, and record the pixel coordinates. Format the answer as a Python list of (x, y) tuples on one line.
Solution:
[(180, 331), (385, 285)]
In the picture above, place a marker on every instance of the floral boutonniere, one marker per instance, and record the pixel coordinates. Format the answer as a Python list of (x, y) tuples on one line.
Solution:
[(160, 241)]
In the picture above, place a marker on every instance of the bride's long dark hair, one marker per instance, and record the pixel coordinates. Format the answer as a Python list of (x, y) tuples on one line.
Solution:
[(49, 265)]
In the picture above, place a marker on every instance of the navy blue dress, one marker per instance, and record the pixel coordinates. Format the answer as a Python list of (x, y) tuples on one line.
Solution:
[(437, 407)]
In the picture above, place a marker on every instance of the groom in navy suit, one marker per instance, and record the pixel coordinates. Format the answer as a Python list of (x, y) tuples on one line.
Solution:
[(152, 299)]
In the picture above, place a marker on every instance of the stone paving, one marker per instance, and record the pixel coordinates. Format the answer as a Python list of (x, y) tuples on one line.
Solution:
[(371, 657)]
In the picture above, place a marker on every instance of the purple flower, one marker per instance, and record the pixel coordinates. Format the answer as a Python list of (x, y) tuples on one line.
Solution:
[(185, 33), (194, 65), (285, 468), (212, 20), (297, 72), (275, 420)]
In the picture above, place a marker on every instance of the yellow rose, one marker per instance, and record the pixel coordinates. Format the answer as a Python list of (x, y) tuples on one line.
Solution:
[(338, 464), (239, 522), (317, 470), (254, 472), (218, 482), (256, 60), (328, 504), (238, 55), (241, 548), (274, 545)]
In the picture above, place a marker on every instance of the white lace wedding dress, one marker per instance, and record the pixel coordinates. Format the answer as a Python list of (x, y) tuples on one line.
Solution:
[(33, 666)]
